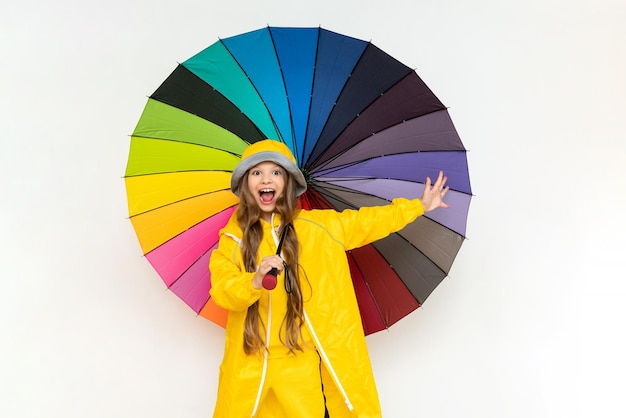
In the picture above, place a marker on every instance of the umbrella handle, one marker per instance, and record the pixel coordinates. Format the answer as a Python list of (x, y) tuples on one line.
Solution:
[(269, 281)]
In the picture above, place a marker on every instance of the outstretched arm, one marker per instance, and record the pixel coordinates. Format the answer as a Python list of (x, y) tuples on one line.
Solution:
[(433, 195)]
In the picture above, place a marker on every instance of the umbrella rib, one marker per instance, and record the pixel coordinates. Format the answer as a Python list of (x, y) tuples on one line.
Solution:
[(322, 164), (344, 179), (159, 98), (282, 77), (182, 232), (183, 273), (352, 164), (322, 152), (369, 289), (325, 192), (188, 143), (308, 117), (417, 276), (175, 202), (190, 265), (330, 185), (156, 173), (373, 157), (343, 88), (255, 89)]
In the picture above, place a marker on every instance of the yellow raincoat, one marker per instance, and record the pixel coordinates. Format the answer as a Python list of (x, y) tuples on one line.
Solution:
[(333, 319)]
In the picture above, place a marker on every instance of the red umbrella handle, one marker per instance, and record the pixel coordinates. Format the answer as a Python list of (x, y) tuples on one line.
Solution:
[(270, 280)]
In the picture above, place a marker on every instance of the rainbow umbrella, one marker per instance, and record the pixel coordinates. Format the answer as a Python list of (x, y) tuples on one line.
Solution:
[(363, 126)]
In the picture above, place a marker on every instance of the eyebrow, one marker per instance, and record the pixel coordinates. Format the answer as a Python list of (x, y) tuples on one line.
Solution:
[(274, 167)]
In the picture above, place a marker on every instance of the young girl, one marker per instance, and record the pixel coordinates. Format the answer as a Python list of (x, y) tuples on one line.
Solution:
[(297, 351)]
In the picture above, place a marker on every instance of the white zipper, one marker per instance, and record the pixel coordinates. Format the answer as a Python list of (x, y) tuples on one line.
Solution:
[(267, 334), (329, 366), (265, 354), (318, 344)]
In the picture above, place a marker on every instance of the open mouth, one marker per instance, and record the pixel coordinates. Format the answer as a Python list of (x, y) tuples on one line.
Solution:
[(267, 195)]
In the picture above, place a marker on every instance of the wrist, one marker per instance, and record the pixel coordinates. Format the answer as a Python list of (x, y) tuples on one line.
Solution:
[(257, 281)]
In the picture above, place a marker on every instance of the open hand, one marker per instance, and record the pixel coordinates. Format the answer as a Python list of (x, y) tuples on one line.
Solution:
[(432, 198)]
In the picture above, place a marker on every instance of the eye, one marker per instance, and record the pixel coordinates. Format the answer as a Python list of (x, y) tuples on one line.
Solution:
[(277, 172), (255, 172)]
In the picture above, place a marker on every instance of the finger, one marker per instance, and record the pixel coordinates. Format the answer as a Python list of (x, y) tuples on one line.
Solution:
[(443, 194), (276, 262), (441, 180), (268, 263)]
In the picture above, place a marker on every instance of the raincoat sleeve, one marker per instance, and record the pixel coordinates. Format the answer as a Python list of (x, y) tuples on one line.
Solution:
[(231, 284), (369, 224)]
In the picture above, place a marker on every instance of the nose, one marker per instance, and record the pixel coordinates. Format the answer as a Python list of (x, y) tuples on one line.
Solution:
[(266, 178)]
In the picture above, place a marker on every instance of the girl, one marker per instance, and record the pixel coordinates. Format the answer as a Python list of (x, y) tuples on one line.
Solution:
[(297, 351)]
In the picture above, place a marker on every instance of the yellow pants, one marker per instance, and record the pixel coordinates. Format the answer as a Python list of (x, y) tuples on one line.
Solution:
[(293, 387)]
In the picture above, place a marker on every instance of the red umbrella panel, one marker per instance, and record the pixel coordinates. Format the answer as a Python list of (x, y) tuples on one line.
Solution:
[(363, 126)]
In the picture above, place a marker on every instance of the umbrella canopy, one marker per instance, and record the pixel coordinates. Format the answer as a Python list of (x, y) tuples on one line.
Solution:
[(363, 126)]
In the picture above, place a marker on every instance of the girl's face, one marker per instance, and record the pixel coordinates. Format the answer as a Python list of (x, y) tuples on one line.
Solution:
[(266, 182)]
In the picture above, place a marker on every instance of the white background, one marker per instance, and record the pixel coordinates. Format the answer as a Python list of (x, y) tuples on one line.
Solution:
[(530, 321)]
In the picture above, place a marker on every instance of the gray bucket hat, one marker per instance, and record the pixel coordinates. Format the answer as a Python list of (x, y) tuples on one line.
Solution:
[(267, 150)]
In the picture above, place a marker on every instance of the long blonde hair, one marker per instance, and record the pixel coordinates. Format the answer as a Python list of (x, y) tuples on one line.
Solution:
[(248, 216)]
